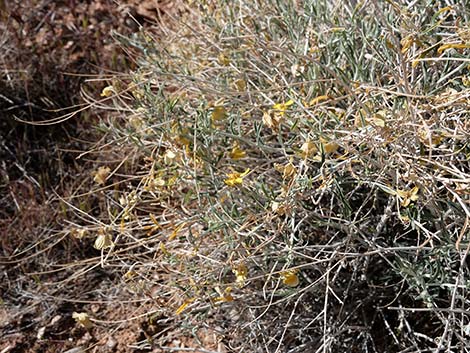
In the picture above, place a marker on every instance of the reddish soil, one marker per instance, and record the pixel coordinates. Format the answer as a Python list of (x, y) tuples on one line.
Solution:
[(49, 48)]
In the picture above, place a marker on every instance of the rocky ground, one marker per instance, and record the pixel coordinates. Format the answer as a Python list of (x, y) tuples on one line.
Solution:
[(49, 49)]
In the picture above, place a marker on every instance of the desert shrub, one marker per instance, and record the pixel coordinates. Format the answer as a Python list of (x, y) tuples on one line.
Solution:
[(293, 173)]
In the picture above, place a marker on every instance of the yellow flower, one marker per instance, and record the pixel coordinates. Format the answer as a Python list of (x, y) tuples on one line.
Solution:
[(404, 218), (271, 120), (223, 59), (241, 272), (318, 99), (280, 108), (379, 119), (107, 91), (83, 319), (176, 230), (101, 175), (136, 122), (224, 296), (154, 183), (240, 85), (290, 278), (218, 113), (79, 233), (236, 178), (280, 208), (329, 147), (466, 81), (337, 29), (130, 275), (164, 250), (184, 305), (288, 171), (237, 152), (452, 46), (308, 149), (406, 43), (406, 196)]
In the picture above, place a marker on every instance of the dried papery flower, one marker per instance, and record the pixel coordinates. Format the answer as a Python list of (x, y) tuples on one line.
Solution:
[(101, 175), (83, 319), (103, 240)]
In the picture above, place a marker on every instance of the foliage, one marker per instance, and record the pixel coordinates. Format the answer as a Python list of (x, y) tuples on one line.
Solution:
[(296, 173)]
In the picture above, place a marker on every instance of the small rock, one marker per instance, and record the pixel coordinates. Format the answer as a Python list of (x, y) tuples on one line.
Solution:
[(76, 350), (55, 320), (111, 343), (41, 333)]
